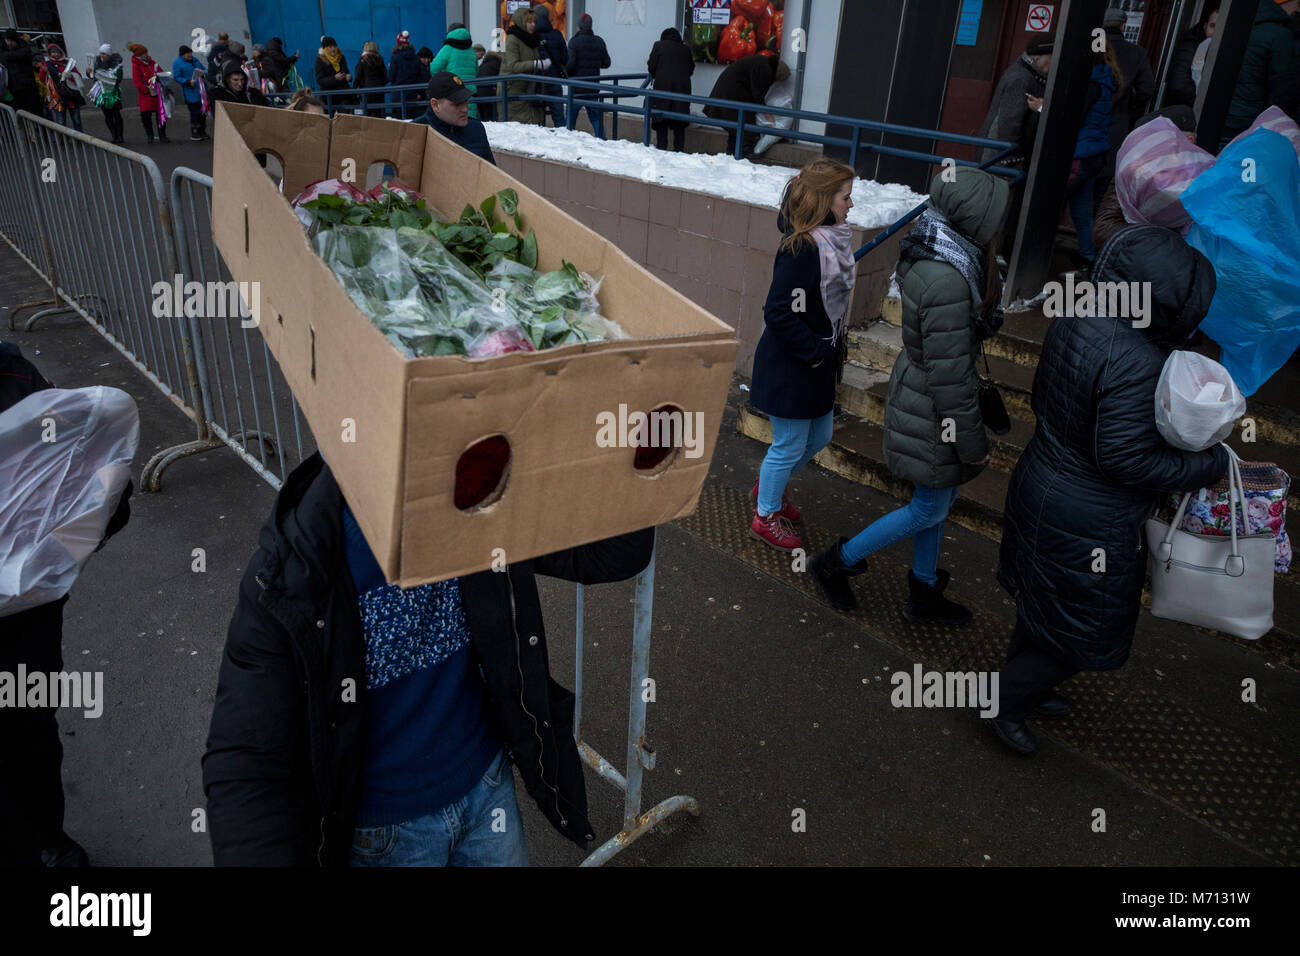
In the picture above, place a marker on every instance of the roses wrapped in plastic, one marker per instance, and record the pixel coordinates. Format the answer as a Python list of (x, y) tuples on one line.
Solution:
[(437, 288)]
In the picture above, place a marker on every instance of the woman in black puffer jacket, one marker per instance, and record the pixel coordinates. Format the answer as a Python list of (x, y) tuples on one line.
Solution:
[(1073, 553)]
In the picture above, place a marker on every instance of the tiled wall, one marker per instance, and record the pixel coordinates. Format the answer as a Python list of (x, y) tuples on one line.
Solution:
[(715, 251)]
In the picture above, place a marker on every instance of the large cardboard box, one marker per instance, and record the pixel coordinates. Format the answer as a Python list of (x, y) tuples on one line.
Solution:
[(393, 429)]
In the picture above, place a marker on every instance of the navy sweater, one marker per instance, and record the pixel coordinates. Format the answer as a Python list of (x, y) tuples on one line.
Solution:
[(428, 740)]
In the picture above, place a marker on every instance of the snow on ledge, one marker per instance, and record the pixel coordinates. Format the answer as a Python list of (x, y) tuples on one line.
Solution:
[(875, 205)]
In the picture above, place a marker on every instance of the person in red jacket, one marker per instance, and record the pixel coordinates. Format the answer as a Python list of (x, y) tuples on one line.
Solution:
[(148, 78)]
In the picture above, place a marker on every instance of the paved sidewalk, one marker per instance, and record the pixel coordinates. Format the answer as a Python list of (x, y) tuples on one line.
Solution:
[(767, 700)]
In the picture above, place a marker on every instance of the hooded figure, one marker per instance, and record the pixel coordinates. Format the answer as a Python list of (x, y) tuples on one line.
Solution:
[(671, 66), (934, 377), (457, 56), (246, 94), (522, 55), (275, 64), (1092, 472)]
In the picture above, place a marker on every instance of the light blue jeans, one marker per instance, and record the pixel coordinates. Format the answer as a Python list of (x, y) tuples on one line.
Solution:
[(483, 828), (921, 519), (794, 443)]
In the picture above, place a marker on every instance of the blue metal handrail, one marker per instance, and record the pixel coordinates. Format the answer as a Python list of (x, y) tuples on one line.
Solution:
[(609, 89)]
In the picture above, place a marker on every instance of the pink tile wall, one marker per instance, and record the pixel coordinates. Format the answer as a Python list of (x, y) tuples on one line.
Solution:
[(717, 252)]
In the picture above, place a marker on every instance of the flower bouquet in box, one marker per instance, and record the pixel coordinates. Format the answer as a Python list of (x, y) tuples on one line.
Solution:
[(468, 287)]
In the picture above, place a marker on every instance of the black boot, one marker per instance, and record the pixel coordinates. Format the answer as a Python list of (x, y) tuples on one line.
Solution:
[(927, 603), (1015, 734), (832, 574)]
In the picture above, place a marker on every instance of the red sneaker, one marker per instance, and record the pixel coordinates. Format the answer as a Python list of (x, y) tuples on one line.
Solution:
[(788, 511), (776, 531)]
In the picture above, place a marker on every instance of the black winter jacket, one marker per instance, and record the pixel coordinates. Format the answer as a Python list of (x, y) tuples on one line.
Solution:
[(283, 765), (325, 79), (1096, 464), (18, 65), (1136, 95), (747, 81), (371, 72), (671, 65), (472, 136), (797, 361), (249, 95), (404, 68), (275, 64), (1265, 69), (1180, 88), (587, 54)]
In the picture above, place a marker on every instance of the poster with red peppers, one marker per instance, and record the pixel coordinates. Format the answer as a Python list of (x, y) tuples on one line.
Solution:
[(724, 31)]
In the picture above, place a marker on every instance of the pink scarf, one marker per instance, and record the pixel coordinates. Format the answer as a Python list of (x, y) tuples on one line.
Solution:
[(839, 272)]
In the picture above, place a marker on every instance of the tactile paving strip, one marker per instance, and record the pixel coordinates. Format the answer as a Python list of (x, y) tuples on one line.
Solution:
[(1233, 783), (1239, 787)]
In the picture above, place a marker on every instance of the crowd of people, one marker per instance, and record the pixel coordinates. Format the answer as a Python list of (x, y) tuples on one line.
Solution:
[(1122, 88)]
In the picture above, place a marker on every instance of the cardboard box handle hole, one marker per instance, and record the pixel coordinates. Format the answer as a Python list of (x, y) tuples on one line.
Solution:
[(664, 442), (482, 472)]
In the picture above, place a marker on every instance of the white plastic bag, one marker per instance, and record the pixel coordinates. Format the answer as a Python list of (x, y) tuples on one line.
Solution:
[(65, 457), (1197, 402), (780, 95)]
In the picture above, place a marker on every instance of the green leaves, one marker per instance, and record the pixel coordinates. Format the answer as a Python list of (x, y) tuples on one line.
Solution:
[(468, 287)]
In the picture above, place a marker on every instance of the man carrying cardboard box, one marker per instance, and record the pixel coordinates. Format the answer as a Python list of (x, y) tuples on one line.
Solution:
[(448, 113), (360, 723)]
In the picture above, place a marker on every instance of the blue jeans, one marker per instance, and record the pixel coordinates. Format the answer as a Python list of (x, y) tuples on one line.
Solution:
[(921, 519), (482, 828), (597, 118), (72, 113), (1079, 197), (794, 443)]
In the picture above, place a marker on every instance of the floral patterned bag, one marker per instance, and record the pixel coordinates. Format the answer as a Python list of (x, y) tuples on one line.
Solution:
[(1209, 510)]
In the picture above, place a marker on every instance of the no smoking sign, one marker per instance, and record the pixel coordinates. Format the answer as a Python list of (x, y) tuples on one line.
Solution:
[(1040, 18)]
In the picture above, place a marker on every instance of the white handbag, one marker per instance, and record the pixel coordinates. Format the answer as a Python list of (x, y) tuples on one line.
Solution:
[(1223, 583)]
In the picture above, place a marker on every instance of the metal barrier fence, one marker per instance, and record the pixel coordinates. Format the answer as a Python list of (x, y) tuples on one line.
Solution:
[(104, 230), (18, 215), (245, 397)]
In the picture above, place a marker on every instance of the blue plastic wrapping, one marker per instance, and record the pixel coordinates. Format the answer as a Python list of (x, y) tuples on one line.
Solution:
[(1246, 221)]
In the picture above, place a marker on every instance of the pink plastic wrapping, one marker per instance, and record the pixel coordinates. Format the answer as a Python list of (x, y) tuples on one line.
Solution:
[(1154, 165)]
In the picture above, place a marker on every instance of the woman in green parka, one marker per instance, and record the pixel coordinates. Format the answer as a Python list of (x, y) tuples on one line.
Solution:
[(934, 432), (522, 56), (457, 56)]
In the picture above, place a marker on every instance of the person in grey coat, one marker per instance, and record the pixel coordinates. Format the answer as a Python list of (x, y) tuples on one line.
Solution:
[(934, 432), (1010, 117), (1013, 114)]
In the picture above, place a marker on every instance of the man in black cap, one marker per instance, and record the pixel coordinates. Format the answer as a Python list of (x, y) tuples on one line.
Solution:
[(448, 113)]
